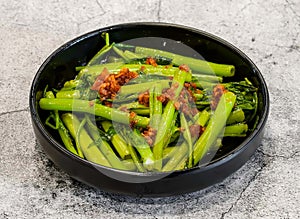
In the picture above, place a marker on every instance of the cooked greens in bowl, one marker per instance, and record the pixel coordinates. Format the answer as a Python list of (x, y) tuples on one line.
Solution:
[(147, 103), (152, 110)]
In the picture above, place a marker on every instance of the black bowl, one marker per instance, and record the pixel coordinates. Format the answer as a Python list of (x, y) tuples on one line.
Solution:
[(60, 66)]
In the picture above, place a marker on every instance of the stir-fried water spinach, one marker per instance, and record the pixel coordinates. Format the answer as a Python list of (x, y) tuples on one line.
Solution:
[(142, 109)]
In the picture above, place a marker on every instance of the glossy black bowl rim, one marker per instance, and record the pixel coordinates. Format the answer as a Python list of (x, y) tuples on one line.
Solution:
[(215, 163)]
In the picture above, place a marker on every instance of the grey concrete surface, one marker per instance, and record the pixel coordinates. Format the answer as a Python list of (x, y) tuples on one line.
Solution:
[(267, 186)]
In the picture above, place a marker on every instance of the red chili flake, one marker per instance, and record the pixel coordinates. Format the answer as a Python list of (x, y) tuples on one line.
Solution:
[(151, 61), (177, 105), (107, 103), (132, 115), (100, 79), (144, 98), (181, 129), (108, 85), (185, 102), (187, 85), (218, 91), (175, 85), (143, 68), (196, 130), (194, 111), (185, 109), (198, 91), (162, 98), (150, 135), (184, 67), (194, 85), (132, 120), (167, 94), (124, 109), (91, 103)]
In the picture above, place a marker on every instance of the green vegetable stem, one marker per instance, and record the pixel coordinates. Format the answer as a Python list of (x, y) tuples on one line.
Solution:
[(63, 132), (92, 107), (156, 106), (195, 64), (89, 148), (117, 141), (180, 154), (215, 126), (105, 148), (188, 138), (165, 125)]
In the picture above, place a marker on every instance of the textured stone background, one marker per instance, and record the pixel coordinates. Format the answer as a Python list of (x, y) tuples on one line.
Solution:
[(268, 186)]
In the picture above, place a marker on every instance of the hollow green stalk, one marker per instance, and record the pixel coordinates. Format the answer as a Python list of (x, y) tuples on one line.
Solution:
[(105, 148), (94, 108), (195, 64), (203, 118), (188, 138), (156, 106), (66, 139), (63, 132), (135, 159), (105, 49), (175, 160), (95, 70), (141, 87), (236, 130), (215, 126), (164, 130), (143, 148), (208, 78), (182, 164), (68, 94), (236, 116), (129, 163), (89, 148), (169, 152), (117, 141)]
